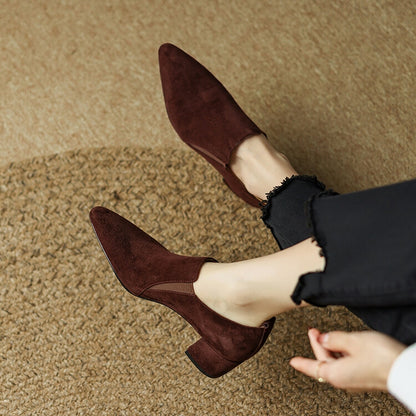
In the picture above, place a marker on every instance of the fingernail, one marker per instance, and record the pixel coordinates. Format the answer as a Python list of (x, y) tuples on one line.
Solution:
[(323, 338)]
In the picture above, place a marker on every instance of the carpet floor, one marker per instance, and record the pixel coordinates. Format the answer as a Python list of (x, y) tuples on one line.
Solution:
[(73, 341)]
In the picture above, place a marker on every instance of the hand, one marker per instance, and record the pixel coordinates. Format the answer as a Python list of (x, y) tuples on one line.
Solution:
[(356, 361)]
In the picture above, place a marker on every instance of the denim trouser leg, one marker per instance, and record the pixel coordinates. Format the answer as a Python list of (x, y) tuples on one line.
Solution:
[(369, 241)]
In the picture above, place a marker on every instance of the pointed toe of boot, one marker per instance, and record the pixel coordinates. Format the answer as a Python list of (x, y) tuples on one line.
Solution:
[(125, 247), (179, 71), (170, 56)]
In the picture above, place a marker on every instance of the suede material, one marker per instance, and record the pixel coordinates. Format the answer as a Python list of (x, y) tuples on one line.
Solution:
[(211, 363), (203, 113), (208, 360), (233, 182), (137, 259), (140, 262)]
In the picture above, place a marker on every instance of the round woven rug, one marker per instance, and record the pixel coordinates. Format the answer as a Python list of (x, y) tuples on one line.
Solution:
[(73, 341)]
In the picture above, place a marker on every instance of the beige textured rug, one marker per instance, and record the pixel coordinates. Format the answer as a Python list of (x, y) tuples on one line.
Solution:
[(74, 342)]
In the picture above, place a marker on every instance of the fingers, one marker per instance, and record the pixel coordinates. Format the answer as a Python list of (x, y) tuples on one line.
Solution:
[(361, 361), (326, 348), (337, 341), (308, 366), (311, 368), (304, 365), (321, 353)]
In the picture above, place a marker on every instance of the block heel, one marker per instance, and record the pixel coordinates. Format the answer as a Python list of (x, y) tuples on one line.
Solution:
[(209, 361)]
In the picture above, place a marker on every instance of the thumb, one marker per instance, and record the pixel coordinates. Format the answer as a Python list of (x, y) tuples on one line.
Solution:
[(338, 341)]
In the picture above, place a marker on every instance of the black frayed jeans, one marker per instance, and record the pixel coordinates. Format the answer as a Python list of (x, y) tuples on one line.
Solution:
[(369, 241)]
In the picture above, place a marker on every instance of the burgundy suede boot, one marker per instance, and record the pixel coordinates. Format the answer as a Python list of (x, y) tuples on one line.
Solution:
[(148, 270), (204, 114)]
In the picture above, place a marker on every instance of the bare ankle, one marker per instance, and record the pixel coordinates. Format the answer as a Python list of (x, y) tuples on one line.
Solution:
[(240, 293), (260, 166), (234, 300)]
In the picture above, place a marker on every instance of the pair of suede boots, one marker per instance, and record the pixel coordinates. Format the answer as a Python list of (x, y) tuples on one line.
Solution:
[(207, 118)]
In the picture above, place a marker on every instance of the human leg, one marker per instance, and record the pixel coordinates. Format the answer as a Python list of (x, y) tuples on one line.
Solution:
[(259, 166), (208, 119), (252, 291), (368, 239)]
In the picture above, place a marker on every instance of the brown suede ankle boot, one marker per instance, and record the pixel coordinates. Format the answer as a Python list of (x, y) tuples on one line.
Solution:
[(148, 270), (204, 114)]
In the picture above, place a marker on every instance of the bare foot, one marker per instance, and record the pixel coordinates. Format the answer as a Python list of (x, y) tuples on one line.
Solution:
[(260, 166)]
